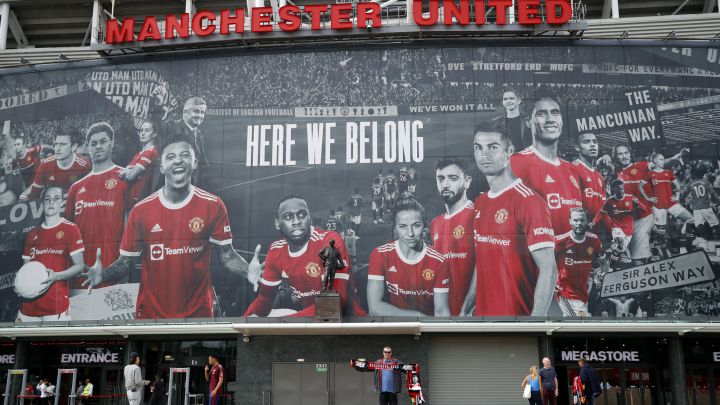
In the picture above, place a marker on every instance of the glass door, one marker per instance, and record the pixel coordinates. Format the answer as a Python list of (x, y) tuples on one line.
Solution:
[(610, 382), (638, 389), (716, 386), (611, 385), (698, 387)]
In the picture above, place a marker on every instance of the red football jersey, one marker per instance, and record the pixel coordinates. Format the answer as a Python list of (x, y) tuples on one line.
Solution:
[(303, 271), (174, 241), (632, 175), (509, 224), (50, 174), (411, 284), (52, 246), (593, 188), (620, 213), (28, 163), (96, 203), (555, 181), (661, 184), (453, 237), (142, 185), (574, 260)]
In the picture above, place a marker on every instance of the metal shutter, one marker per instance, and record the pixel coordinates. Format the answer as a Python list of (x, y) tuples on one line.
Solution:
[(479, 370)]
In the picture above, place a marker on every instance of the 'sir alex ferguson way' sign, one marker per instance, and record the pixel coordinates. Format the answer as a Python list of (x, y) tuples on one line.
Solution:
[(689, 269)]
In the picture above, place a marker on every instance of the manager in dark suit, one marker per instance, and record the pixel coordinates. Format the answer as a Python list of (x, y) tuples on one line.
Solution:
[(187, 129)]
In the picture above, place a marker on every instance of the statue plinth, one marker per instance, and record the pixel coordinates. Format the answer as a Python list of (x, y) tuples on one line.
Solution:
[(327, 307)]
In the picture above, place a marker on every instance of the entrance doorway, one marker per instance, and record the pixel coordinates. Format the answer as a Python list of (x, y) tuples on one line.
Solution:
[(699, 389), (621, 385), (320, 384)]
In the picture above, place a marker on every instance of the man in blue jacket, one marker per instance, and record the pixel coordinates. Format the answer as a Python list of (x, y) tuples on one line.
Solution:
[(590, 381), (388, 381)]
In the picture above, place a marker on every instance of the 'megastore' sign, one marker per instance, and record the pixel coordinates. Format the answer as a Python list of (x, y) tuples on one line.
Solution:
[(344, 16)]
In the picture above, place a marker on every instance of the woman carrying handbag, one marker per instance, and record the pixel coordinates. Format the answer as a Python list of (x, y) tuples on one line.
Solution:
[(531, 387)]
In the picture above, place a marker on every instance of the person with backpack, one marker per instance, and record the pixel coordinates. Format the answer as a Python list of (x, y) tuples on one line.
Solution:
[(591, 384), (533, 379)]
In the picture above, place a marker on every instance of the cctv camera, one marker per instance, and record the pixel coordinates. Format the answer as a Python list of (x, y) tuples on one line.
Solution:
[(246, 339)]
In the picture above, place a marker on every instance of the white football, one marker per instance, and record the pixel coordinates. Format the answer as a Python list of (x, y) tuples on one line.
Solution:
[(28, 280)]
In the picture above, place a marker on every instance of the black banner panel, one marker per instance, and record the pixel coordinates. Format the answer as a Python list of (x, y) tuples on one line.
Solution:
[(506, 181)]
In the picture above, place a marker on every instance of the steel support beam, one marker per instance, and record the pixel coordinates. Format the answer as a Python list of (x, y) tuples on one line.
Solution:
[(95, 23), (4, 22), (615, 8), (409, 17), (17, 31), (709, 6), (607, 9), (680, 7)]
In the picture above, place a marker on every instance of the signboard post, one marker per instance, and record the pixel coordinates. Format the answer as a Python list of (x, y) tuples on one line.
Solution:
[(58, 385), (23, 372), (181, 371)]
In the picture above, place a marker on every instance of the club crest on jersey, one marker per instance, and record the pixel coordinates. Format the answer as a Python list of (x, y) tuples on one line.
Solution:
[(73, 179), (59, 235), (574, 182), (633, 171), (157, 251), (110, 184), (428, 274), (627, 203), (458, 232), (196, 224), (553, 200), (312, 269), (589, 251), (501, 215)]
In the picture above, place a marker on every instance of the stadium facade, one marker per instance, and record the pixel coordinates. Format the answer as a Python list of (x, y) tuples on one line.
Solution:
[(504, 182)]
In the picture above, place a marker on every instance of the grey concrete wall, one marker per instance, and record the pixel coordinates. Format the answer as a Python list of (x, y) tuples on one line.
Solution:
[(255, 358)]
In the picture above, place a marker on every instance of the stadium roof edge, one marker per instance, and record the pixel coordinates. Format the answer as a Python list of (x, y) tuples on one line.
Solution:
[(49, 59), (362, 328)]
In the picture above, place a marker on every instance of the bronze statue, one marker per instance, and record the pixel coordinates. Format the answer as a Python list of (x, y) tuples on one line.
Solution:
[(332, 263)]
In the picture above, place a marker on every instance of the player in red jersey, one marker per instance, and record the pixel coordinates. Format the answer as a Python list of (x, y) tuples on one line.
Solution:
[(664, 185), (411, 274), (700, 196), (451, 232), (377, 193), (403, 181), (172, 231), (97, 202), (514, 240), (57, 244), (412, 180), (295, 258), (634, 176), (139, 171), (540, 168), (619, 213), (592, 182), (63, 169), (391, 190), (355, 206), (575, 252), (27, 159)]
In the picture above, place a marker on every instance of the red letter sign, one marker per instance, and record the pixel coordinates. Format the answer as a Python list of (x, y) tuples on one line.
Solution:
[(116, 35), (197, 23), (565, 11)]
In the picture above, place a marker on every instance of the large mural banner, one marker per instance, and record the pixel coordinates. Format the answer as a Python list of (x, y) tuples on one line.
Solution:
[(558, 181)]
